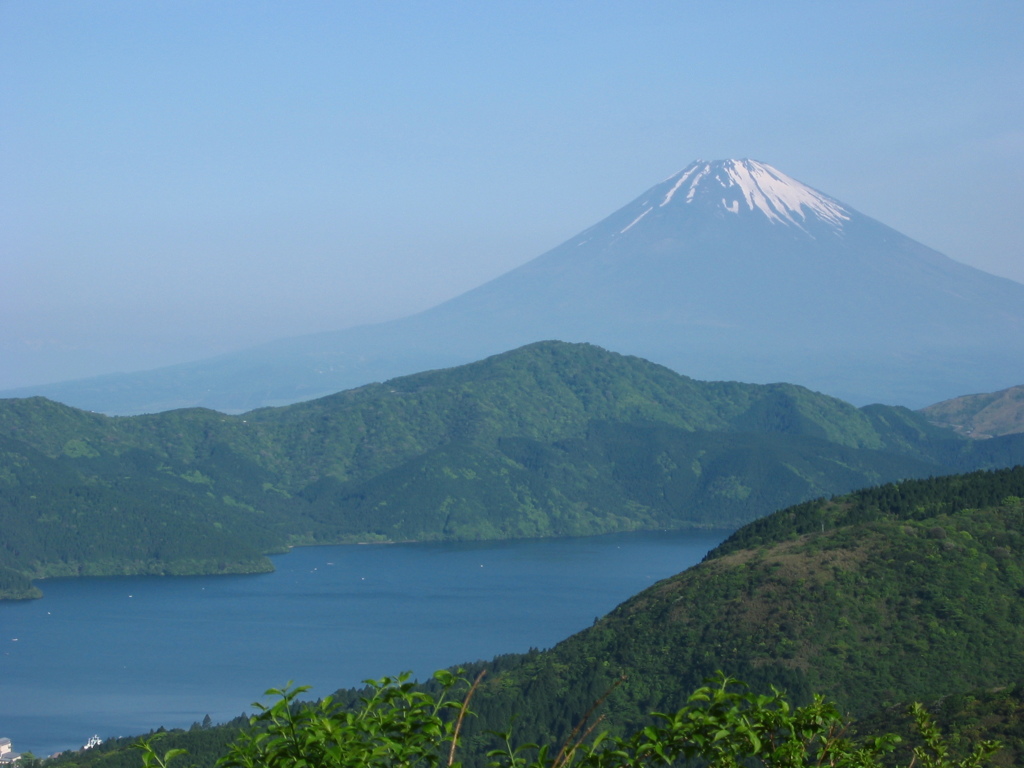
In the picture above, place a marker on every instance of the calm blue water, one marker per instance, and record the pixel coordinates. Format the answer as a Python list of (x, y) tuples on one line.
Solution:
[(121, 656)]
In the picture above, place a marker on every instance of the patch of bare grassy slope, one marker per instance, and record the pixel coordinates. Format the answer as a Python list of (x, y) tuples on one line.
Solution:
[(981, 416)]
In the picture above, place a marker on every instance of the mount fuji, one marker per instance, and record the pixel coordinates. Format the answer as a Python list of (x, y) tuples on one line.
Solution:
[(726, 270)]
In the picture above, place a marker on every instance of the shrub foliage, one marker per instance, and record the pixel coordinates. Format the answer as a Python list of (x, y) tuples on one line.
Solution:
[(723, 725)]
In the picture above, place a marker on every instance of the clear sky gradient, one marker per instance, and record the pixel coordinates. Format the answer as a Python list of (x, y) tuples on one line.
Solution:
[(180, 179)]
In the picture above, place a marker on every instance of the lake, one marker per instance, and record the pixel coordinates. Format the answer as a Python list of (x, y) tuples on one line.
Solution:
[(122, 656)]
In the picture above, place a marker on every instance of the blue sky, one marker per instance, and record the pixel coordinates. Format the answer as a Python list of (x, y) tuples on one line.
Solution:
[(179, 179)]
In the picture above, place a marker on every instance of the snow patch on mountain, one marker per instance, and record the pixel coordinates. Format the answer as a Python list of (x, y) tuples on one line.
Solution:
[(682, 179), (634, 221), (756, 187)]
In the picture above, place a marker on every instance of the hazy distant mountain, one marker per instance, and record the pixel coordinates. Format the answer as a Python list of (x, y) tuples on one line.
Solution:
[(726, 270), (981, 416)]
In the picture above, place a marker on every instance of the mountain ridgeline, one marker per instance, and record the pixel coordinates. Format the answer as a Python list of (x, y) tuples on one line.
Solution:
[(552, 439), (726, 270)]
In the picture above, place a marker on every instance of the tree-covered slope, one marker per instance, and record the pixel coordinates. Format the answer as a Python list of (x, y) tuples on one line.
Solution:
[(966, 717), (615, 477), (93, 514), (552, 439), (909, 591)]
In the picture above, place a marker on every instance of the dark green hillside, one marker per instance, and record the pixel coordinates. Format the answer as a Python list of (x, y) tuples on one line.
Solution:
[(918, 599), (204, 744), (908, 500), (548, 440), (546, 392), (967, 717), (615, 477), (96, 514), (16, 585)]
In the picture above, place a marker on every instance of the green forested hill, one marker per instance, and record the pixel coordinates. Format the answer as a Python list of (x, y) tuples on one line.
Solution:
[(912, 591), (548, 440)]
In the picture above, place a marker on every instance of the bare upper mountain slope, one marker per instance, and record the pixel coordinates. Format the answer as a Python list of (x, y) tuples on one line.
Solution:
[(981, 416), (726, 270)]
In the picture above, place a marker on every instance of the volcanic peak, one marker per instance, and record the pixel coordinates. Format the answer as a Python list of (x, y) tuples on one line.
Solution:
[(735, 185)]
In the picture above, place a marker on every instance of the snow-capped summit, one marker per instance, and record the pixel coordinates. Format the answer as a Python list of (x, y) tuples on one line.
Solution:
[(749, 185), (724, 191)]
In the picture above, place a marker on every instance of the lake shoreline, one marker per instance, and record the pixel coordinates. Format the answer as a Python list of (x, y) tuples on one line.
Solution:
[(265, 565)]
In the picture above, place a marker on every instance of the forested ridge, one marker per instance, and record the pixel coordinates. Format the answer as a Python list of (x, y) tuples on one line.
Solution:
[(920, 601), (552, 439), (908, 591)]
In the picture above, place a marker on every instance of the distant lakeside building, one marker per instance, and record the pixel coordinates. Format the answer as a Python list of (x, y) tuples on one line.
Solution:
[(7, 753)]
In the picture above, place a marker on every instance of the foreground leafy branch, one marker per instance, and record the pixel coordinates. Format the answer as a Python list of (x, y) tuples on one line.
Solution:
[(722, 725)]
